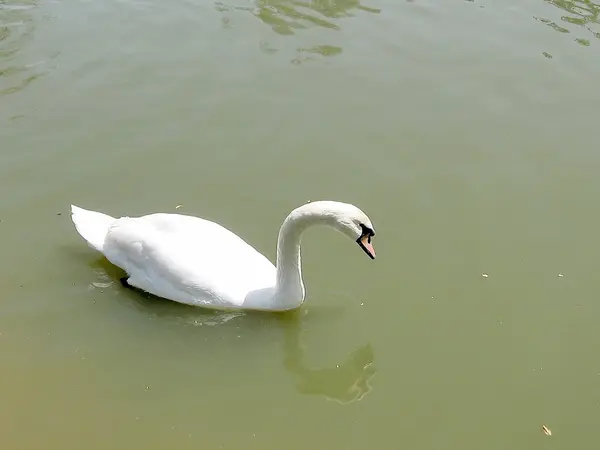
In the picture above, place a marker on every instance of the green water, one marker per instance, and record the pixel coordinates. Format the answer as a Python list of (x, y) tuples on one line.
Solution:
[(468, 131)]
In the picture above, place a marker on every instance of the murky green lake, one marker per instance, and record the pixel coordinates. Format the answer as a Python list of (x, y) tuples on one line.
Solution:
[(467, 130)]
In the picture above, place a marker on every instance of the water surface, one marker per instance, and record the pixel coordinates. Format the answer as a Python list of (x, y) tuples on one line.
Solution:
[(466, 130)]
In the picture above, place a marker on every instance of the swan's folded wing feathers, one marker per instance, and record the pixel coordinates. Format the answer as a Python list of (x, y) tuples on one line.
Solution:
[(187, 258)]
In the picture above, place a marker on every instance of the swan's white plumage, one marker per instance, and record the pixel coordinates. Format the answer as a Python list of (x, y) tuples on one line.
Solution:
[(198, 262), (183, 258), (91, 225)]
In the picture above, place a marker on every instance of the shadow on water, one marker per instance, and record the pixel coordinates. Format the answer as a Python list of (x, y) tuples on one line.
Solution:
[(345, 382), (581, 13)]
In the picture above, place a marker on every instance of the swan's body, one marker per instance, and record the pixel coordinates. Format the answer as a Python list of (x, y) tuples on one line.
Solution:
[(198, 262)]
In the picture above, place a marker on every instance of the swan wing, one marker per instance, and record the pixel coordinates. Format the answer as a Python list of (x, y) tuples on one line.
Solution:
[(187, 259)]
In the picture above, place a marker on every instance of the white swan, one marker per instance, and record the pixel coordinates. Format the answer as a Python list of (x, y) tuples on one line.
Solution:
[(198, 262)]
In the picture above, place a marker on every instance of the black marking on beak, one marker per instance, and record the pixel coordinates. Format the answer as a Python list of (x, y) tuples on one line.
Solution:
[(368, 233)]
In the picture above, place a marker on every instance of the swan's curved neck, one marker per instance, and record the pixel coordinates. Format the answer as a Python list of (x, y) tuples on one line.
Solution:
[(289, 291)]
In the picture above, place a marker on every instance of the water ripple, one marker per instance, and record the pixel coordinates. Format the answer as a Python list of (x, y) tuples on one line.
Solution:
[(285, 17), (581, 13), (16, 30)]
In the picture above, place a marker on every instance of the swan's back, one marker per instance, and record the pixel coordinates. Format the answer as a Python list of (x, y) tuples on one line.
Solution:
[(187, 259)]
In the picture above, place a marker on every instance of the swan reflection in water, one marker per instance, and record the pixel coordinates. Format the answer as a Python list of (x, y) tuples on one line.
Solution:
[(344, 382)]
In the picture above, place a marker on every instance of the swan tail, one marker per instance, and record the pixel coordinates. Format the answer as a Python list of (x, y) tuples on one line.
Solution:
[(91, 225)]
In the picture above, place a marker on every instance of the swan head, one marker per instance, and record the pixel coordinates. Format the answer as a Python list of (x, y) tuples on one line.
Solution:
[(349, 220)]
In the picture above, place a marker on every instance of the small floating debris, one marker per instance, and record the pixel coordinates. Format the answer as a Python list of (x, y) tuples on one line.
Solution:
[(560, 275), (178, 206), (484, 275), (547, 431)]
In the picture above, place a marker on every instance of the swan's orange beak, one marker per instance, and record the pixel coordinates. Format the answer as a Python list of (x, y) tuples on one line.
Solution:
[(365, 243)]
